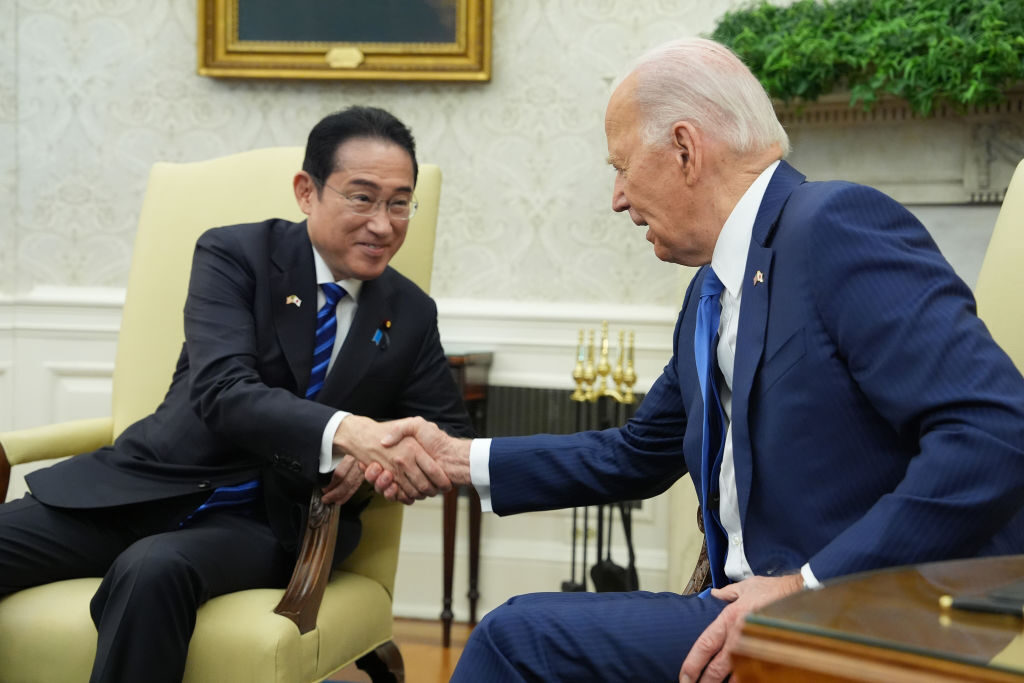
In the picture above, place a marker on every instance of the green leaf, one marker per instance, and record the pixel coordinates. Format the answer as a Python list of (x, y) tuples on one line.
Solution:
[(927, 51)]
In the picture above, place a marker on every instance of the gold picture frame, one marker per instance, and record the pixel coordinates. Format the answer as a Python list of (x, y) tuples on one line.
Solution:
[(254, 39)]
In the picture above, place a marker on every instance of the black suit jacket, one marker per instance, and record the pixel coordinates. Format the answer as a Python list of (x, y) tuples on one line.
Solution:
[(236, 410)]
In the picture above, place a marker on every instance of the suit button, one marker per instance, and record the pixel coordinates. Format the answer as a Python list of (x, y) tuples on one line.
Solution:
[(276, 459), (295, 466), (714, 500), (203, 484)]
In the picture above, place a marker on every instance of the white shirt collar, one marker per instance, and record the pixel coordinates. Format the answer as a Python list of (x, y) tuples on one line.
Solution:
[(324, 275), (730, 256)]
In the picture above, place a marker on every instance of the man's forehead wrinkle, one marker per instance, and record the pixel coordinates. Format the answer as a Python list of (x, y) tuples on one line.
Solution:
[(364, 182)]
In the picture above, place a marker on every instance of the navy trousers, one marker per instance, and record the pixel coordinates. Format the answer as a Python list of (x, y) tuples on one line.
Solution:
[(155, 574), (547, 637)]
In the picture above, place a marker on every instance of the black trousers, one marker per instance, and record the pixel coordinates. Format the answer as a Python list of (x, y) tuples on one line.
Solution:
[(155, 574)]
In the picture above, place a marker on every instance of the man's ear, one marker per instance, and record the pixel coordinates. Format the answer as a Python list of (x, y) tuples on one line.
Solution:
[(305, 191), (687, 147)]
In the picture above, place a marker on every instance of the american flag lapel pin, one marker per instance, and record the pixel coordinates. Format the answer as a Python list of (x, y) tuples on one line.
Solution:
[(292, 299), (758, 277)]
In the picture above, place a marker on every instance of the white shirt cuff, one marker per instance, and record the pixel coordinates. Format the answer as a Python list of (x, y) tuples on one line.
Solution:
[(479, 471), (810, 581), (327, 460)]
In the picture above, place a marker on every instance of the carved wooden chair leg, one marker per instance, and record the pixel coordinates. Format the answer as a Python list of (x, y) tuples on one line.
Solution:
[(383, 665), (5, 474)]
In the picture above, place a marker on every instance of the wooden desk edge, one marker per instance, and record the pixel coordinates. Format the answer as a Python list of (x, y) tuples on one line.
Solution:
[(764, 653)]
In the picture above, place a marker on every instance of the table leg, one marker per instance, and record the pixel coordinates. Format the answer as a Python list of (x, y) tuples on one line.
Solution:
[(451, 500), (474, 551)]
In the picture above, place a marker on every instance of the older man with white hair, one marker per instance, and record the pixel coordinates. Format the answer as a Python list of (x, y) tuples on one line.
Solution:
[(832, 394)]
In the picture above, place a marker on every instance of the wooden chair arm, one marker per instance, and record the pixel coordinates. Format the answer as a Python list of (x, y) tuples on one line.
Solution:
[(50, 442), (301, 600), (701, 577)]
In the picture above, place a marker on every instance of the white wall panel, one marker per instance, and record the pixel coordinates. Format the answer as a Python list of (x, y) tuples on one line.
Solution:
[(79, 390)]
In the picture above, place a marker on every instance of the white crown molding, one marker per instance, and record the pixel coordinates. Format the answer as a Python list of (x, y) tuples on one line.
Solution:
[(86, 312), (980, 147), (534, 344), (62, 369)]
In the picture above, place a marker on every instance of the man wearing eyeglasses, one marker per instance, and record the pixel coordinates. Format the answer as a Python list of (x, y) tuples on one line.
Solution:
[(298, 339)]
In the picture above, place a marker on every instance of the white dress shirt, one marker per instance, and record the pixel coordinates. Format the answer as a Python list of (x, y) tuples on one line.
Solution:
[(345, 311), (729, 261)]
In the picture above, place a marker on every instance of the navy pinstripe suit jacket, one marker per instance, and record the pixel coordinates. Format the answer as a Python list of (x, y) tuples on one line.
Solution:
[(875, 421)]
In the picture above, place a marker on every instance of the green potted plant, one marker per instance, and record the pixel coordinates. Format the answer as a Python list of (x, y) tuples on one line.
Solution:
[(962, 52)]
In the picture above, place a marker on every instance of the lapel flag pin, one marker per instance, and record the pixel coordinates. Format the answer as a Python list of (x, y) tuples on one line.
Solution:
[(292, 299), (758, 277), (381, 337)]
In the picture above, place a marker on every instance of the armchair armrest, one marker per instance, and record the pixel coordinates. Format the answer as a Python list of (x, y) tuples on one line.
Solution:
[(305, 591), (301, 601), (51, 441)]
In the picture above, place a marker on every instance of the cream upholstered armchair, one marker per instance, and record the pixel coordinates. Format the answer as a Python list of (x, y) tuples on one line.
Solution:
[(325, 619), (1001, 279)]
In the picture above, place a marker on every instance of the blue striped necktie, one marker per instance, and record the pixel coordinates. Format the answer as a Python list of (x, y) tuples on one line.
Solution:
[(326, 328), (709, 311)]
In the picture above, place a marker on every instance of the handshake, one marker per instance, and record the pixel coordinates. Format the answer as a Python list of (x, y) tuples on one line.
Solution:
[(405, 460)]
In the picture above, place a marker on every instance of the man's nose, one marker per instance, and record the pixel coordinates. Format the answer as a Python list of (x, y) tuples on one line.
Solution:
[(380, 222), (619, 201)]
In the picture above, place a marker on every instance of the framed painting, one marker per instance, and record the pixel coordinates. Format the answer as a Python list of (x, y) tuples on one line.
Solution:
[(413, 40)]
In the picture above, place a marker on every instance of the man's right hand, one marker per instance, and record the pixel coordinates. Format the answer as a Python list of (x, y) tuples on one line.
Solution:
[(412, 474), (452, 454)]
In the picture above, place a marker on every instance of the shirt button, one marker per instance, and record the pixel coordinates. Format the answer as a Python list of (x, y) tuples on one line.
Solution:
[(735, 539)]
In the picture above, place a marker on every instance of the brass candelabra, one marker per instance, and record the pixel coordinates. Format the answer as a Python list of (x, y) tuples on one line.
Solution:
[(592, 379)]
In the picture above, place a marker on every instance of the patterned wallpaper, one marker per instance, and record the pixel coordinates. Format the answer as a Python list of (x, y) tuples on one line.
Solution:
[(8, 147), (94, 91)]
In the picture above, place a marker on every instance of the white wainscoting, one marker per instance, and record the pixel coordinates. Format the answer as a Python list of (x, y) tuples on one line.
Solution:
[(57, 351)]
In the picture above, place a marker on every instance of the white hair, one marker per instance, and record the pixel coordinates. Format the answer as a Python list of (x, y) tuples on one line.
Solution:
[(704, 82)]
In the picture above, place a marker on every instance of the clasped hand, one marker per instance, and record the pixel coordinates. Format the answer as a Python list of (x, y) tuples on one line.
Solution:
[(402, 459)]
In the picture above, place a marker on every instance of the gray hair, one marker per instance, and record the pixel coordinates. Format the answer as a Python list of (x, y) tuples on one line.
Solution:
[(704, 82)]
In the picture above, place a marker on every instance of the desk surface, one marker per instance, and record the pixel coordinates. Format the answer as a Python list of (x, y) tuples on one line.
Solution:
[(888, 625)]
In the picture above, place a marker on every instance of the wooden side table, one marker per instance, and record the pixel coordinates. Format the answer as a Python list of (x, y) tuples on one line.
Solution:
[(470, 371), (888, 626)]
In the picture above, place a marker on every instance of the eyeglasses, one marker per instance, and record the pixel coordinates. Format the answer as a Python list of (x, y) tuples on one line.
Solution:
[(363, 204)]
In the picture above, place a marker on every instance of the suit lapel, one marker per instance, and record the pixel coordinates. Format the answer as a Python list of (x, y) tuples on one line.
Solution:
[(293, 300), (754, 321), (359, 349)]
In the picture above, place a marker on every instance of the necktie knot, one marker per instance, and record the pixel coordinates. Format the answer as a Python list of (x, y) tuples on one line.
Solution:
[(333, 293), (711, 286), (326, 327)]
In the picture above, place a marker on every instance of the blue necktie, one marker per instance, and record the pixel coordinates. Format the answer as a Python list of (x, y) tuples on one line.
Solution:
[(709, 310), (226, 496), (326, 327)]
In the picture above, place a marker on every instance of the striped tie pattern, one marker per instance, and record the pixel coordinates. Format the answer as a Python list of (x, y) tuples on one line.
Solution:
[(705, 345), (326, 328), (226, 496)]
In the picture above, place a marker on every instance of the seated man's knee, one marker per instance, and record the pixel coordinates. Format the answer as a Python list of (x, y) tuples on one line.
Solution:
[(504, 627), (150, 571)]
